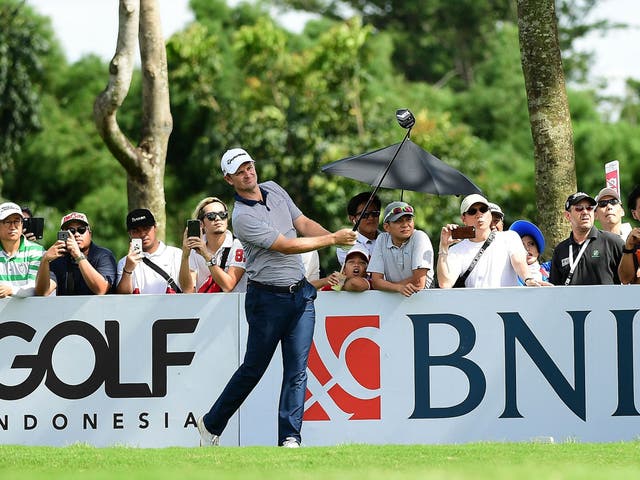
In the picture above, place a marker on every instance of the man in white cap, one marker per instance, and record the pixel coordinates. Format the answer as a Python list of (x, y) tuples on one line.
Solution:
[(589, 256), (19, 258), (76, 266), (609, 213), (279, 301), (402, 259), (490, 259)]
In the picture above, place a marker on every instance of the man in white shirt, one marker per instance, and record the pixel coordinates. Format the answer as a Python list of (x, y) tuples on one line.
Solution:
[(135, 275), (500, 263)]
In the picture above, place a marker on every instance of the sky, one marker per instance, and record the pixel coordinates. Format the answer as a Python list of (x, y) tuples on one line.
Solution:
[(74, 22)]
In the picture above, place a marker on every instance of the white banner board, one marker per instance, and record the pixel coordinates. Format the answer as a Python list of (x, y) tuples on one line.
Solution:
[(444, 366)]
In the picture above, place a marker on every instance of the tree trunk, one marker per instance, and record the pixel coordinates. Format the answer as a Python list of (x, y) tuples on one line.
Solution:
[(145, 163), (548, 113)]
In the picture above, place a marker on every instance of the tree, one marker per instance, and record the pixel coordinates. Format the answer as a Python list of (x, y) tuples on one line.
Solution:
[(144, 163), (548, 113), (25, 41)]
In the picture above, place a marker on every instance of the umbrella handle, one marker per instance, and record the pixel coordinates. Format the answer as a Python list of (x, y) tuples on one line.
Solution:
[(384, 174)]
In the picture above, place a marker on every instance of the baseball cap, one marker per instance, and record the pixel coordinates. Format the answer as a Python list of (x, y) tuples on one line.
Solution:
[(495, 208), (73, 217), (395, 210), (140, 217), (607, 192), (357, 248), (470, 200), (232, 159), (9, 208), (578, 197), (524, 227)]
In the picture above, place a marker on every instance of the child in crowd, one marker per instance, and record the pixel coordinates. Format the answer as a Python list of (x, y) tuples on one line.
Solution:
[(533, 242), (353, 277)]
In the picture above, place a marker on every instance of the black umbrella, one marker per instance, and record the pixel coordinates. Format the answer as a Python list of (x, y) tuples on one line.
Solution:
[(414, 169)]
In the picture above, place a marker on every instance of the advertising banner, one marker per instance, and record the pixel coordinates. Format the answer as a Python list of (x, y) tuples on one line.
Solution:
[(443, 366)]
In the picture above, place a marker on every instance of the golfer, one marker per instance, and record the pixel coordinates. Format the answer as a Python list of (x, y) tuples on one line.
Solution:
[(279, 300)]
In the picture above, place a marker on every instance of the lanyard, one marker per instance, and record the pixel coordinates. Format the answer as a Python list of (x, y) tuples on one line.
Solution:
[(574, 263)]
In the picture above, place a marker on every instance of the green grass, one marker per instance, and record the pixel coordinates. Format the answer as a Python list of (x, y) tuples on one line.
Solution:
[(491, 461)]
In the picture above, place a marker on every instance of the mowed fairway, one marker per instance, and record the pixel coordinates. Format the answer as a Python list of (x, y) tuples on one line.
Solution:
[(491, 461)]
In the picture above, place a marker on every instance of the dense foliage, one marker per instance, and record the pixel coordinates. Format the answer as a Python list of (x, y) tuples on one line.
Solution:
[(299, 101)]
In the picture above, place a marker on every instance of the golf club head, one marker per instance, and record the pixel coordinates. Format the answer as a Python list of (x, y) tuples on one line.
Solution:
[(405, 118)]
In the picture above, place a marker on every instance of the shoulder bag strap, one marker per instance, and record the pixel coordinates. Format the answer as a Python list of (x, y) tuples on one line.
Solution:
[(162, 273), (225, 256), (484, 246)]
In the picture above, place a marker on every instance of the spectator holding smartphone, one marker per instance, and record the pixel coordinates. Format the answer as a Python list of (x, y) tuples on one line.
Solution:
[(402, 259), (76, 265), (490, 259), (150, 266), (213, 262)]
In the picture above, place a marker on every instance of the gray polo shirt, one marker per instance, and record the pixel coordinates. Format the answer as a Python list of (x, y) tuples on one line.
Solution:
[(398, 263), (257, 225)]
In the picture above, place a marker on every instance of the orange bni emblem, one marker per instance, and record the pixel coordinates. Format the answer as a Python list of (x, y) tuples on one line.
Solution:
[(344, 370)]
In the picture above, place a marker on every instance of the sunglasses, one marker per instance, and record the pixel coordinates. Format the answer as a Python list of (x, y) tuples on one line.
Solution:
[(80, 230), (474, 210), (611, 201), (211, 216), (365, 215), (588, 208)]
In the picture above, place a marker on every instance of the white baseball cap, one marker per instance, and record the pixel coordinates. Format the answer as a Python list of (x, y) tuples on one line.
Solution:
[(9, 208), (470, 200), (232, 159)]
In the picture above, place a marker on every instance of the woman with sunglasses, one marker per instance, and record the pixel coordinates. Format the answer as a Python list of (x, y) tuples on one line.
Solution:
[(487, 259), (214, 261)]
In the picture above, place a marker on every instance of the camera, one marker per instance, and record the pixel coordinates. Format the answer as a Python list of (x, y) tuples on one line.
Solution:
[(33, 225), (463, 232), (193, 228)]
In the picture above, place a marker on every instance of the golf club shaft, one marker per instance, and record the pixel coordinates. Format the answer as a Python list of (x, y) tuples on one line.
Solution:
[(384, 174)]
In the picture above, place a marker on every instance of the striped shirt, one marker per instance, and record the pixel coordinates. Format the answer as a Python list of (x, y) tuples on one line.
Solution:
[(20, 270)]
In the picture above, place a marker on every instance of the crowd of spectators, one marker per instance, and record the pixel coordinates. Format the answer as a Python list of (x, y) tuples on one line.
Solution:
[(393, 256)]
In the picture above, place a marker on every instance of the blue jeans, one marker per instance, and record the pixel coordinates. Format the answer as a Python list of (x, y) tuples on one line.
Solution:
[(286, 318)]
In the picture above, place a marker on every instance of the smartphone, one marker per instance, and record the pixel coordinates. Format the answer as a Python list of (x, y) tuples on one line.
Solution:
[(193, 228), (463, 232), (136, 244), (34, 225), (63, 235)]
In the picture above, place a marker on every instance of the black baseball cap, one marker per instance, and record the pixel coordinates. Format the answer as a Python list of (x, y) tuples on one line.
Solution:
[(140, 217), (578, 197)]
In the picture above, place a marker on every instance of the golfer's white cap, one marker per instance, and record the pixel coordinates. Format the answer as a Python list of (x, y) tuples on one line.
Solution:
[(232, 159)]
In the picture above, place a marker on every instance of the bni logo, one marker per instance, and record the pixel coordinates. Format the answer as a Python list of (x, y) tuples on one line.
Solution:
[(344, 370)]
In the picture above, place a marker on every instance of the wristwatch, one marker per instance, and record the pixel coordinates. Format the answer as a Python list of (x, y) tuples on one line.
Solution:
[(212, 262), (628, 250)]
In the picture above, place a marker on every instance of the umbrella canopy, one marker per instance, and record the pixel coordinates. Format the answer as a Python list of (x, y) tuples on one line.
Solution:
[(414, 169)]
